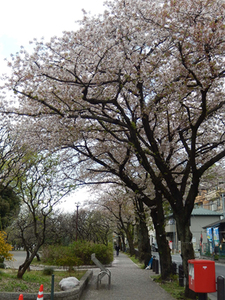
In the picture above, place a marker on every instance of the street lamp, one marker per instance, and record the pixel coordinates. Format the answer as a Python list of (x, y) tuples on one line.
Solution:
[(222, 196), (223, 205), (77, 222)]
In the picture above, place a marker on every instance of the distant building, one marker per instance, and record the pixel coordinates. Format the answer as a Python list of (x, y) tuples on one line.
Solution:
[(212, 199), (200, 218)]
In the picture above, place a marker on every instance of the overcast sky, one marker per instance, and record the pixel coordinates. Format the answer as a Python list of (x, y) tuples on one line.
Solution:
[(23, 20)]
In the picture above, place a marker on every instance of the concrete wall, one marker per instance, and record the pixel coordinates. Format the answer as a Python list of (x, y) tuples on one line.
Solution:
[(68, 295)]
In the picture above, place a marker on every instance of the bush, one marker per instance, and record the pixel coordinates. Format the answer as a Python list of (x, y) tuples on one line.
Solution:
[(77, 253), (48, 271)]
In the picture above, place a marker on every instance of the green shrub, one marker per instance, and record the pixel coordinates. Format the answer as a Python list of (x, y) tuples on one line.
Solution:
[(48, 271), (2, 266), (216, 257), (77, 253)]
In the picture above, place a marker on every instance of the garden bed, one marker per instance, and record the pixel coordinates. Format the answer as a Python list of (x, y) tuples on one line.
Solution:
[(58, 295)]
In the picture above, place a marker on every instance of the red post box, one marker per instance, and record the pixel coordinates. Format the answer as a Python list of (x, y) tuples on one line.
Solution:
[(202, 275)]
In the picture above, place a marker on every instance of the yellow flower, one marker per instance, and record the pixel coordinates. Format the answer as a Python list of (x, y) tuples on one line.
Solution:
[(5, 247)]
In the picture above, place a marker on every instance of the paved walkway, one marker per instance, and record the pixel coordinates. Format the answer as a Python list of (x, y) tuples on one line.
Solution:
[(128, 282)]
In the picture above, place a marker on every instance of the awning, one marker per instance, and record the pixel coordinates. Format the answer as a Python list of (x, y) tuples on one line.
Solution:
[(215, 224)]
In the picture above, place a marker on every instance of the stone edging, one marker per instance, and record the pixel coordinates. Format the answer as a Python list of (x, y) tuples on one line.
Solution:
[(67, 295)]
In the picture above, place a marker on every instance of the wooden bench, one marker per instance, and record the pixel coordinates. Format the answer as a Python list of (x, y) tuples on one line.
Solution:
[(103, 271)]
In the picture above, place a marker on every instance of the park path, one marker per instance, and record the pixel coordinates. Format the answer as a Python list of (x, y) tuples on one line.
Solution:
[(128, 282)]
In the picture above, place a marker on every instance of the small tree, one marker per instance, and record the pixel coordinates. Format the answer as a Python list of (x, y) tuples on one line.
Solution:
[(4, 248), (40, 189)]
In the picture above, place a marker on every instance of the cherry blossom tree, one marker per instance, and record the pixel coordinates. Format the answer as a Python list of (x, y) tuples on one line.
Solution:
[(140, 86), (120, 205), (128, 210)]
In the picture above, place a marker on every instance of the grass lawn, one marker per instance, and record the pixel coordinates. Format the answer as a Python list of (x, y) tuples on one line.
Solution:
[(172, 287), (32, 280)]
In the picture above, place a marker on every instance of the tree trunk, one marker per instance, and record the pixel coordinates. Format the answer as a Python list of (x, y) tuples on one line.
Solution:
[(144, 248), (38, 257), (22, 268), (29, 258), (158, 219), (130, 239), (123, 242), (187, 251)]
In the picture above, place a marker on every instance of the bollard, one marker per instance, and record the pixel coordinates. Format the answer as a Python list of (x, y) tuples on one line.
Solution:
[(220, 288), (181, 275), (202, 296), (174, 268), (156, 266), (153, 265), (52, 287)]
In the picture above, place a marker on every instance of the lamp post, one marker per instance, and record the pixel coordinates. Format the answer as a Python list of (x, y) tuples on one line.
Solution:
[(222, 196), (223, 205), (77, 222)]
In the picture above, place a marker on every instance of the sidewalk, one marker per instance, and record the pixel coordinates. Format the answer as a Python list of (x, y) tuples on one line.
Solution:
[(128, 282)]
